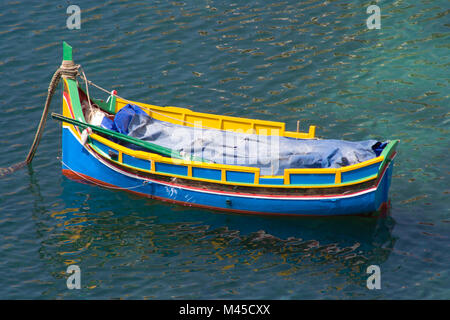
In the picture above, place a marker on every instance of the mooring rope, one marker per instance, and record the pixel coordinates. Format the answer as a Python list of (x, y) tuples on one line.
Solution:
[(67, 69), (70, 70)]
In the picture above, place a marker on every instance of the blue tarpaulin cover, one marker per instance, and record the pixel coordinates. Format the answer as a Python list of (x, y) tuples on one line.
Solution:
[(270, 153)]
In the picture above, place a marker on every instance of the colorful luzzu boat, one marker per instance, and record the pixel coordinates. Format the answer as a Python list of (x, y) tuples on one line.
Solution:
[(93, 157)]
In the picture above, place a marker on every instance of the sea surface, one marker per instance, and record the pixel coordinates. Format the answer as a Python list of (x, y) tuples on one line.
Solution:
[(315, 61)]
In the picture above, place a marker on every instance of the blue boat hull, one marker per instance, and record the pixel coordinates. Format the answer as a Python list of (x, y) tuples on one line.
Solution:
[(82, 164)]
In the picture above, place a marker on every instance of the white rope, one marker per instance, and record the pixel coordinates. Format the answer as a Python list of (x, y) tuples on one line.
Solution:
[(102, 185), (87, 90)]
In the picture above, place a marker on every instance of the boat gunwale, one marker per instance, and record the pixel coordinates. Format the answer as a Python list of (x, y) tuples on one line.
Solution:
[(75, 102), (192, 165), (269, 192)]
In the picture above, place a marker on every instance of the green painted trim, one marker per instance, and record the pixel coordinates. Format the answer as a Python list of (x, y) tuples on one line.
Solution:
[(386, 153), (109, 107), (112, 104), (75, 100), (102, 104), (145, 144), (67, 52), (98, 150)]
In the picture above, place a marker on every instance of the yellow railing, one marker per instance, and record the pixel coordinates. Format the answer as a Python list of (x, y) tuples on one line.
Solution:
[(336, 171), (155, 159), (186, 117)]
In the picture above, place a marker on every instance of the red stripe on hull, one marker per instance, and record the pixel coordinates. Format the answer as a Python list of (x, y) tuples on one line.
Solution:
[(79, 177), (251, 194)]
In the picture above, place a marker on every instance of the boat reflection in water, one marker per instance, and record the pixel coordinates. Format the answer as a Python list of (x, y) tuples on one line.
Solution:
[(116, 235)]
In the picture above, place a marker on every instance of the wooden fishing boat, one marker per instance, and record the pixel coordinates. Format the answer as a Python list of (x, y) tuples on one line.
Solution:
[(101, 158)]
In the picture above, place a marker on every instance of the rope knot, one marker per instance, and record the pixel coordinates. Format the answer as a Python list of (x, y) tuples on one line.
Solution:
[(69, 69)]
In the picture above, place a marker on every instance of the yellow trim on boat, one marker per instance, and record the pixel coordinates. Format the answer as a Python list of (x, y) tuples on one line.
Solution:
[(179, 115), (151, 156), (334, 170), (187, 117), (154, 158), (272, 177), (338, 177)]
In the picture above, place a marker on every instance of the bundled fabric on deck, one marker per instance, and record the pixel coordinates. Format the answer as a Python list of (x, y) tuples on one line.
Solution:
[(272, 153)]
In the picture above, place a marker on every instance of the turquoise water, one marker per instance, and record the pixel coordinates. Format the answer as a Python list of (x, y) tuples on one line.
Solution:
[(313, 61)]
